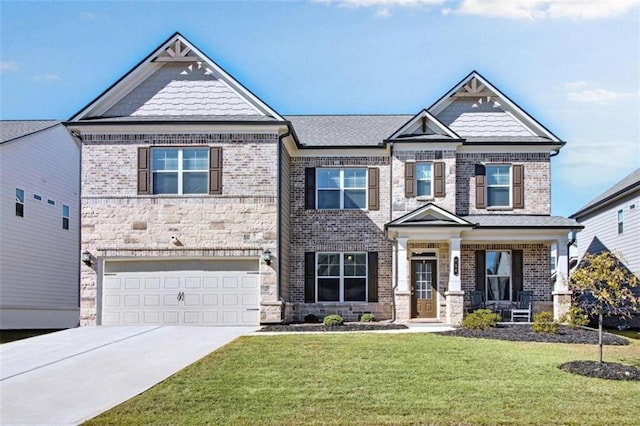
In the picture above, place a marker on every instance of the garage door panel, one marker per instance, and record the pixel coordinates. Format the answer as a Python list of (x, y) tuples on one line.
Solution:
[(206, 296)]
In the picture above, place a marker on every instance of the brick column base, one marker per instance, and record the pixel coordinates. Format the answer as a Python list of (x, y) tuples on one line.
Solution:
[(403, 306), (271, 312), (454, 307), (561, 303)]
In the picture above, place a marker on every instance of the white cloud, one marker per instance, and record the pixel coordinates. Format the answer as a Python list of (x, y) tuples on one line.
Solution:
[(383, 3), (582, 165), (546, 9), (597, 96), (89, 16), (575, 84), (47, 77), (8, 66)]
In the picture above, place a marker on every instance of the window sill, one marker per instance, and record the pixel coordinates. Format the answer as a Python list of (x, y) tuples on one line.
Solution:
[(425, 198), (500, 209)]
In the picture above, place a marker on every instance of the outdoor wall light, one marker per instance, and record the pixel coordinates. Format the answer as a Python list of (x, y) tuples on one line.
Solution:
[(266, 256), (86, 258)]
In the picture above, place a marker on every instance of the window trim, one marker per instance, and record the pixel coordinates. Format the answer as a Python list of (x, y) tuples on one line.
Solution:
[(487, 276), (620, 221), (180, 171), (431, 194), (20, 202), (342, 277), (364, 188), (509, 185)]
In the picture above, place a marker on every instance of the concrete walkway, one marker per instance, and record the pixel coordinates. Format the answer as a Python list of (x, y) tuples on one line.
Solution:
[(73, 375)]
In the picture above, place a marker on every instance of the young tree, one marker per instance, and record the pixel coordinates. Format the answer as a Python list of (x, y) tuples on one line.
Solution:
[(603, 285)]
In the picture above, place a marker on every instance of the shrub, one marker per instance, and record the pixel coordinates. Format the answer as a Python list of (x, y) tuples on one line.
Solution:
[(575, 317), (544, 323), (311, 318), (367, 318), (481, 319), (333, 320)]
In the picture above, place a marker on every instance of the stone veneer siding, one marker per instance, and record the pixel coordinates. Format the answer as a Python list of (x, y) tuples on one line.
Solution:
[(339, 231), (536, 269), (239, 223), (403, 205), (537, 181)]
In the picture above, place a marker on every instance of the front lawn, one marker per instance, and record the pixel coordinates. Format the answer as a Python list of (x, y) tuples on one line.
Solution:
[(386, 379)]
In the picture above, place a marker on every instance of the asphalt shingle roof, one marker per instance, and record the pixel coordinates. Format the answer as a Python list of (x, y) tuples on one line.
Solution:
[(345, 130), (628, 182), (14, 129), (521, 221), (171, 118)]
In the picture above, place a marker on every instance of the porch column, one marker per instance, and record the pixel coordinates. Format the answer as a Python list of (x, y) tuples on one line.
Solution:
[(403, 289), (561, 293), (454, 295)]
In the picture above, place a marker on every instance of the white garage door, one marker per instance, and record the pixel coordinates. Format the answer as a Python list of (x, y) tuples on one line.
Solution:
[(181, 293)]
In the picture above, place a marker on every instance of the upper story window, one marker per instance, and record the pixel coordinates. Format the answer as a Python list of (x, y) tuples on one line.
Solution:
[(620, 221), (65, 217), (498, 275), (498, 186), (180, 170), (19, 202), (424, 179), (341, 188)]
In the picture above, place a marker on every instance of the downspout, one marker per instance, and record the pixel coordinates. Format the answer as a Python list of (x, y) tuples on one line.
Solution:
[(394, 256), (78, 136), (279, 221)]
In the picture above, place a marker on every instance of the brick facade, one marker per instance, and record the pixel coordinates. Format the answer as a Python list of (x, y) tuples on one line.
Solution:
[(240, 223)]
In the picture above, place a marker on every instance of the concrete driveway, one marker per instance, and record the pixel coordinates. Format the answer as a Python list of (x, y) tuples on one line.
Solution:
[(72, 375)]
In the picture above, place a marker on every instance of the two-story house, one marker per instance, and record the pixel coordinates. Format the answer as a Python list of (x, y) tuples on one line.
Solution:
[(39, 225), (201, 204)]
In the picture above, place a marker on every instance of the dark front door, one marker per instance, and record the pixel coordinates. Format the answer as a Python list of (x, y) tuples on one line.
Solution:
[(424, 289)]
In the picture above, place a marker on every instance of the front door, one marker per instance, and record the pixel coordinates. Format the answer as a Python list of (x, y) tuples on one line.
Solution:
[(424, 291)]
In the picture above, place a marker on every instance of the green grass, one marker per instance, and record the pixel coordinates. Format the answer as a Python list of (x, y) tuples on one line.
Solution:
[(386, 379)]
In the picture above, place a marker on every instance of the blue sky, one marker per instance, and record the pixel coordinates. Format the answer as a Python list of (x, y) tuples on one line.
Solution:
[(573, 64)]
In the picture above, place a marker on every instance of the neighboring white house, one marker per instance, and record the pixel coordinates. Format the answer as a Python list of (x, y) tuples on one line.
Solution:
[(39, 226), (612, 222)]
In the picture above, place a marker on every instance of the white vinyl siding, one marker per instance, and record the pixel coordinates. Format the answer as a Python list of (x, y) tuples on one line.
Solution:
[(42, 293)]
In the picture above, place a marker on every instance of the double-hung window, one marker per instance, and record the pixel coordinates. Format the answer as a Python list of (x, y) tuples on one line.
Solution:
[(341, 188), (498, 275), (498, 186), (424, 179), (180, 170), (620, 221), (19, 202), (341, 277)]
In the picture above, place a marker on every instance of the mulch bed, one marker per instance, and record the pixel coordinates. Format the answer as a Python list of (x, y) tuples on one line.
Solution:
[(348, 326), (524, 333), (605, 370)]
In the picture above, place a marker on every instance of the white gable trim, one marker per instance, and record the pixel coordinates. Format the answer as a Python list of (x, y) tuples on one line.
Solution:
[(508, 105), (432, 122), (148, 66), (429, 209)]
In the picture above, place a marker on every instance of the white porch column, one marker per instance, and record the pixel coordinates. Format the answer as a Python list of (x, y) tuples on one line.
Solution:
[(403, 290), (454, 295), (561, 293), (454, 264), (402, 266)]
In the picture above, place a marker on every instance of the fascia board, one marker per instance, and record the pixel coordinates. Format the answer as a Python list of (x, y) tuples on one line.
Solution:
[(175, 127), (435, 146), (514, 234), (438, 124), (426, 233), (507, 147), (338, 152), (402, 220)]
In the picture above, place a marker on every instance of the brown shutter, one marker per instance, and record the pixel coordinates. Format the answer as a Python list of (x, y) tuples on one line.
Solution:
[(215, 170), (372, 263), (517, 272), (143, 171), (518, 187), (310, 188), (481, 270), (439, 179), (374, 191), (309, 277), (409, 179), (481, 190)]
